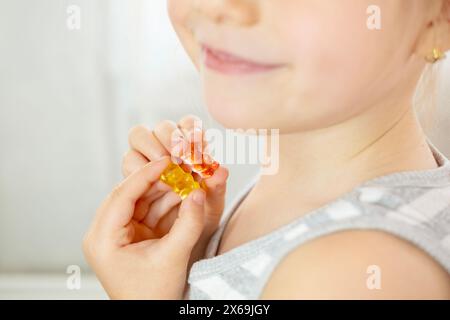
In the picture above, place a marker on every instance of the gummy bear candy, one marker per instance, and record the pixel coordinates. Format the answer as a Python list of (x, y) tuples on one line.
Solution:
[(190, 159), (207, 165), (181, 182), (179, 176)]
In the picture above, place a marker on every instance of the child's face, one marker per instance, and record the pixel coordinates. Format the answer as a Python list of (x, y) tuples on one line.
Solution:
[(309, 63)]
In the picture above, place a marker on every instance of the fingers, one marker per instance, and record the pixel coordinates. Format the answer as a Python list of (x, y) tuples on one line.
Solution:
[(153, 211), (192, 129), (169, 135), (166, 222), (216, 186), (142, 233), (191, 126), (132, 161), (160, 207), (218, 179), (188, 124), (167, 138), (188, 227), (143, 141), (119, 207), (158, 190)]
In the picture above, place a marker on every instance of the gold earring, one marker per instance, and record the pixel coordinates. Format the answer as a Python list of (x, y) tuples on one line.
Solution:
[(435, 56)]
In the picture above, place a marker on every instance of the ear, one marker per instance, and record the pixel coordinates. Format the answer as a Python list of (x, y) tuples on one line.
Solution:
[(436, 30)]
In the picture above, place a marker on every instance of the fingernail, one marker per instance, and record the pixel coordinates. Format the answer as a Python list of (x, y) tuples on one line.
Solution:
[(199, 197)]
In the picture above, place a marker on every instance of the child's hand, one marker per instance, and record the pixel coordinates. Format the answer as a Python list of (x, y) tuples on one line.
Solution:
[(129, 260), (147, 146)]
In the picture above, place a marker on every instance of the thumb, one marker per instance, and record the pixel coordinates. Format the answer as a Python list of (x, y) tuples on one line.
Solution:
[(188, 227), (216, 186)]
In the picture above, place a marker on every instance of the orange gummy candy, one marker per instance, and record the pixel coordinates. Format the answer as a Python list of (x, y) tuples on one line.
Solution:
[(180, 178), (204, 168)]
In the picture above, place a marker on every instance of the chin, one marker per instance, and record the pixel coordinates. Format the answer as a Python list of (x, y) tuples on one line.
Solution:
[(245, 114), (231, 115), (238, 111)]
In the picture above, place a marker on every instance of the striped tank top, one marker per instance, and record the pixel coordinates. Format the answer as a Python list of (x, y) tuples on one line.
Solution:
[(413, 205)]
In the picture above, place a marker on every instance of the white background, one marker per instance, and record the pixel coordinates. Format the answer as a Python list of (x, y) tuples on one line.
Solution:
[(67, 101)]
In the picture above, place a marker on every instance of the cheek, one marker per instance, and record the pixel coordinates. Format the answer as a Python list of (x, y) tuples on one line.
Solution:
[(180, 13), (336, 59), (177, 10), (325, 46)]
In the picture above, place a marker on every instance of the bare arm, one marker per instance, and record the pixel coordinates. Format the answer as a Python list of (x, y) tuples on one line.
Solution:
[(358, 265)]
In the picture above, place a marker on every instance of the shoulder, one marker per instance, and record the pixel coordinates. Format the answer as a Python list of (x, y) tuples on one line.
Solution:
[(358, 265)]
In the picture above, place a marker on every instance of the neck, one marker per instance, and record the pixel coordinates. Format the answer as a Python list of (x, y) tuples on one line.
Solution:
[(323, 164)]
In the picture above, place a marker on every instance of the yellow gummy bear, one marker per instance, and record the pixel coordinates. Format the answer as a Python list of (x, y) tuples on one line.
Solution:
[(181, 182)]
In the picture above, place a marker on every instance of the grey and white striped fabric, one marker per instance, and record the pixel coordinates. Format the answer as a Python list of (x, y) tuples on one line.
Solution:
[(414, 206)]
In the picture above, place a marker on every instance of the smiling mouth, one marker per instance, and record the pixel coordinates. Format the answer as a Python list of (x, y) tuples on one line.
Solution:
[(226, 63)]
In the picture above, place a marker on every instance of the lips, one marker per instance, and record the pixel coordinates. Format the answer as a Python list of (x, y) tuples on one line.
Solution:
[(227, 63)]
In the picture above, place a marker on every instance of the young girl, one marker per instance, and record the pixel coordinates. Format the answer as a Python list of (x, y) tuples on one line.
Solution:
[(360, 206)]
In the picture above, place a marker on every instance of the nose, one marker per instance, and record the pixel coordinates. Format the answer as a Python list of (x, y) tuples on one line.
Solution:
[(232, 12)]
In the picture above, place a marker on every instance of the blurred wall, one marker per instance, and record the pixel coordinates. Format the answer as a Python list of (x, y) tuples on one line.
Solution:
[(55, 132), (67, 101)]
